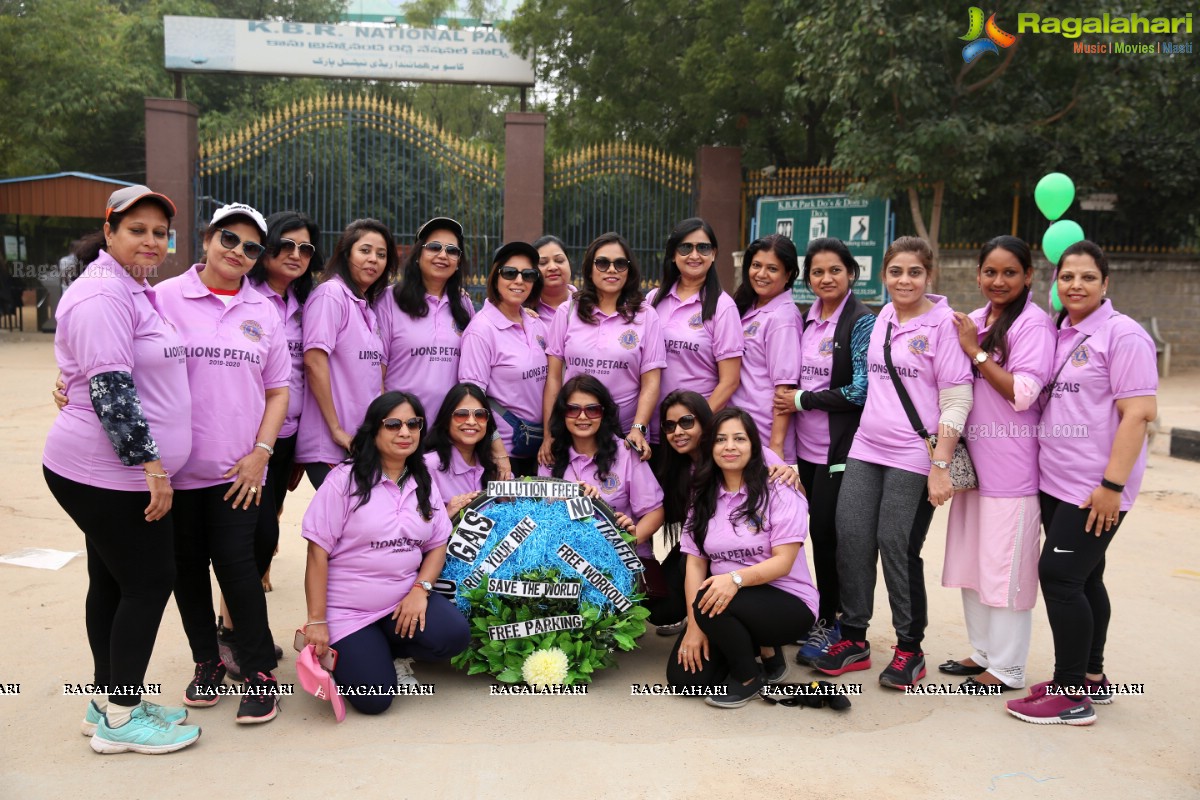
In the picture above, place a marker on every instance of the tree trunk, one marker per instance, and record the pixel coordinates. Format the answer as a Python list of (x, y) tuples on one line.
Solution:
[(928, 233)]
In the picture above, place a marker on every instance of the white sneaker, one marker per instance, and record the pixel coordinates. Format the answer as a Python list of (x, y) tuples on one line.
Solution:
[(404, 672)]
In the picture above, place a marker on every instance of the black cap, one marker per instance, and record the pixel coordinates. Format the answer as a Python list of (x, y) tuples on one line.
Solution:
[(442, 223), (511, 249)]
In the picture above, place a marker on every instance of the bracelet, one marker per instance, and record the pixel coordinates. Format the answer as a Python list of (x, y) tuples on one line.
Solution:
[(314, 622), (796, 400), (1112, 487), (270, 450), (499, 458), (163, 474), (496, 436)]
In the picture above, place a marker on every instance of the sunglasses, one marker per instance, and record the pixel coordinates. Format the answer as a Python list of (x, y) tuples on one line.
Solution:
[(452, 250), (286, 246), (590, 411), (412, 423), (620, 264), (230, 241), (471, 413), (511, 273), (687, 422), (686, 248)]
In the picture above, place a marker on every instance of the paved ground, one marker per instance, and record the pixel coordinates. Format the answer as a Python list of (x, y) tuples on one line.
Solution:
[(464, 743)]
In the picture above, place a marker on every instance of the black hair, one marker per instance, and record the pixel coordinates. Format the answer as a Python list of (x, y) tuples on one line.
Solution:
[(1083, 247), (828, 244), (709, 478), (366, 463), (339, 263), (278, 224), (409, 293), (996, 340), (87, 248), (439, 441), (549, 238), (670, 272), (629, 301), (535, 291), (675, 469), (784, 249), (607, 435)]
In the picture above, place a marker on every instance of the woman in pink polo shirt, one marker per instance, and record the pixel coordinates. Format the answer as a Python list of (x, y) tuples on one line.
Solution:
[(122, 434), (422, 318), (344, 355), (747, 583), (608, 332), (504, 353), (992, 534), (459, 447), (828, 405), (377, 533), (1101, 396), (700, 324), (238, 373), (556, 278), (771, 331), (893, 483)]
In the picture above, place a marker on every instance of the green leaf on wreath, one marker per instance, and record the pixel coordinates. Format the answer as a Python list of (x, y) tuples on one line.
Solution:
[(477, 668), (510, 675)]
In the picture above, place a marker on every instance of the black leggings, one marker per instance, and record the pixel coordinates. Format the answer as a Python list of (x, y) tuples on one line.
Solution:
[(208, 528), (672, 607), (279, 472), (822, 488), (1071, 570), (757, 616), (131, 569)]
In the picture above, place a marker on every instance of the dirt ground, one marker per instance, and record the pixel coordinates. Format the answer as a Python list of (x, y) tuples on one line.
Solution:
[(462, 742)]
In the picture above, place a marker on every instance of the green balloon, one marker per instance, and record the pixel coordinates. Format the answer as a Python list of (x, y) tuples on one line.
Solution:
[(1059, 237), (1054, 194), (1055, 301)]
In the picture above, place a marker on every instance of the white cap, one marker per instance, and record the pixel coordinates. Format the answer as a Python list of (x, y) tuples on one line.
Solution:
[(235, 209)]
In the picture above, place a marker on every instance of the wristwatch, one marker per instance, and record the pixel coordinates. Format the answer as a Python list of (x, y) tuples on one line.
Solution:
[(980, 358), (637, 426), (426, 585), (939, 464), (737, 579)]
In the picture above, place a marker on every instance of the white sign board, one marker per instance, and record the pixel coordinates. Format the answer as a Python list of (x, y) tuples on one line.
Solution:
[(378, 52)]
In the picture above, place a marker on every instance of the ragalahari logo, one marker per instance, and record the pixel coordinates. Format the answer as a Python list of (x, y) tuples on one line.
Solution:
[(995, 38)]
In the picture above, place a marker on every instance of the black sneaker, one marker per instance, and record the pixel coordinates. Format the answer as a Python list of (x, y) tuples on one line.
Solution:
[(775, 667), (905, 670), (736, 694), (204, 690), (227, 648), (845, 656), (260, 700)]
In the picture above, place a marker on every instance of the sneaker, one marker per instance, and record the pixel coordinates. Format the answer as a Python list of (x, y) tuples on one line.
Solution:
[(672, 629), (143, 733), (775, 668), (171, 714), (227, 650), (1053, 709), (204, 690), (404, 672), (845, 656), (819, 640), (1099, 692), (736, 693), (905, 670), (260, 699)]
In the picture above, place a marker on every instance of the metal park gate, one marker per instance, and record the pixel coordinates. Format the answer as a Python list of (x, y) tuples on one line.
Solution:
[(340, 159)]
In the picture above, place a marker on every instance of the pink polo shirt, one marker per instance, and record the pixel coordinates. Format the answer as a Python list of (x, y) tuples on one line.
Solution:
[(816, 375), (771, 358), (291, 312), (616, 352), (928, 358), (108, 322), (630, 488), (459, 477), (235, 353), (1001, 439), (546, 312), (694, 346), (508, 361), (421, 352), (375, 551), (729, 547), (1079, 418), (345, 327)]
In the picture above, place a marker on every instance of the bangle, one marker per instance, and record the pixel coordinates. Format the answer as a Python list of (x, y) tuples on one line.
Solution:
[(1112, 487), (500, 458), (270, 450), (796, 399), (496, 436), (314, 622), (163, 474)]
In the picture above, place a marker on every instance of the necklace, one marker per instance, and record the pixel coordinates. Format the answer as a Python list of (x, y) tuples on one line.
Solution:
[(399, 478)]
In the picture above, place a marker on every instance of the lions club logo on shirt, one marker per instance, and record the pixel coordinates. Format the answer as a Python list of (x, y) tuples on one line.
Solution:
[(752, 329), (610, 484), (825, 348), (1080, 356), (252, 330), (541, 340), (628, 339), (918, 345), (696, 322)]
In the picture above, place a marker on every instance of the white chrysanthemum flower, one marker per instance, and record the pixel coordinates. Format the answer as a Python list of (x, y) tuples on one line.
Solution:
[(545, 667)]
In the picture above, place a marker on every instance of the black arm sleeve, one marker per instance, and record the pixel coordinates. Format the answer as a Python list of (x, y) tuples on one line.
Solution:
[(115, 399)]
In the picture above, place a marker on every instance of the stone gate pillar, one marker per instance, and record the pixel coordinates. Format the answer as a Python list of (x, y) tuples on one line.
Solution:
[(524, 177), (719, 202), (172, 147)]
